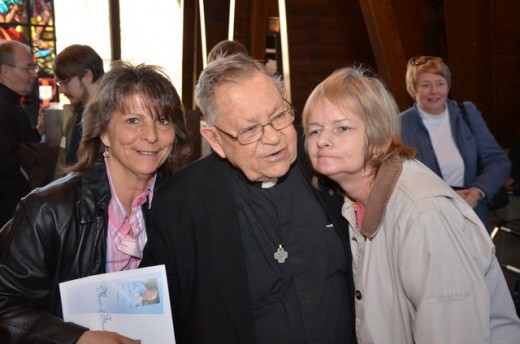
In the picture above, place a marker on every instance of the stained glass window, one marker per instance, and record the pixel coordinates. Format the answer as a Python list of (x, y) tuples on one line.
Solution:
[(32, 22)]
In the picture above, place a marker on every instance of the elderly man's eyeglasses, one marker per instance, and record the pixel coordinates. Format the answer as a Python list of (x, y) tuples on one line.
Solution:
[(28, 69), (255, 132)]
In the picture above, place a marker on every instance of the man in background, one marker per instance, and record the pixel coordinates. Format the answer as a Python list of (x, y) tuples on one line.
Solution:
[(77, 69), (18, 73)]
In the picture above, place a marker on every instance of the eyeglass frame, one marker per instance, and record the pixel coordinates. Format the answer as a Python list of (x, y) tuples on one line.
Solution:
[(33, 68), (290, 110), (64, 82)]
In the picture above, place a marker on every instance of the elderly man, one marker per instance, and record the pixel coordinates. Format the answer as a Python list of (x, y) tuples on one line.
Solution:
[(17, 78), (253, 253)]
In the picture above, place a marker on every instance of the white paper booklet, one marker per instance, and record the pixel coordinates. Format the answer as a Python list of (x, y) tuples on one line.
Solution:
[(133, 303)]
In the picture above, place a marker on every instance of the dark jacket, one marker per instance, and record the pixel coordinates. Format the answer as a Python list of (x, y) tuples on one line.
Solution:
[(73, 132), (195, 233), (14, 128), (58, 233), (475, 143)]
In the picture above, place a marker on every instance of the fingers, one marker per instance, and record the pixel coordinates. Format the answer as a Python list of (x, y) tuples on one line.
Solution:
[(105, 337), (471, 196)]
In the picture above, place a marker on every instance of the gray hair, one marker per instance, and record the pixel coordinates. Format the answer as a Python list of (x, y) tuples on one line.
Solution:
[(8, 49), (226, 70)]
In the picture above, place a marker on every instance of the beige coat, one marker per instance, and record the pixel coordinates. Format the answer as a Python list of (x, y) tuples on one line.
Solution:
[(424, 266)]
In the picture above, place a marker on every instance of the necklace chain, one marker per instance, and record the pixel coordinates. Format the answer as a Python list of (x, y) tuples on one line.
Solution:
[(281, 254)]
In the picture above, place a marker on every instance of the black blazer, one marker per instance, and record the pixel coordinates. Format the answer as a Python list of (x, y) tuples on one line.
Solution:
[(195, 234), (57, 234)]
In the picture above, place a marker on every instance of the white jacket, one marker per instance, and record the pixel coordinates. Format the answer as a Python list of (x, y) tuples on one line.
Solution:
[(424, 266)]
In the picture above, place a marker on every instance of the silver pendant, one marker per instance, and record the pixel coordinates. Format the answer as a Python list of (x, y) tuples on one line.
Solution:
[(281, 255)]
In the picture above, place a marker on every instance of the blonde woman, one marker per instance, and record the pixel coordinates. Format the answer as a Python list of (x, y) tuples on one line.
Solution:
[(452, 139), (424, 265)]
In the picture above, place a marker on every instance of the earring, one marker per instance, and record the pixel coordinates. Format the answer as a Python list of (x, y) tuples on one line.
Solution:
[(106, 153)]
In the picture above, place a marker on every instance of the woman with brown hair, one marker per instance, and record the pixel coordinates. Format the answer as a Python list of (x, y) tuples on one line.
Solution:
[(94, 220)]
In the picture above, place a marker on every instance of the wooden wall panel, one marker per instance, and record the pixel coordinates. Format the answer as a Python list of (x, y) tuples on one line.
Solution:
[(507, 9), (217, 17), (323, 36), (480, 41), (505, 70), (468, 39), (387, 45)]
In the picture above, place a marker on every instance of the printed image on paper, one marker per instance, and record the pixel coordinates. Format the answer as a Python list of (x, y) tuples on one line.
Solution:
[(133, 303), (125, 296)]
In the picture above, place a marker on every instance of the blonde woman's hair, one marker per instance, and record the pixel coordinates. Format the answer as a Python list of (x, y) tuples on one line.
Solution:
[(425, 64), (358, 87)]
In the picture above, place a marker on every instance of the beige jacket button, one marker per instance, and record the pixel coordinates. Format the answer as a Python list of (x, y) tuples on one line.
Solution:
[(359, 296)]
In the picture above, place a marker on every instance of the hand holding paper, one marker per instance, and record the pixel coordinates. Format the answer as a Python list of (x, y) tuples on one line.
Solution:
[(133, 303), (104, 337)]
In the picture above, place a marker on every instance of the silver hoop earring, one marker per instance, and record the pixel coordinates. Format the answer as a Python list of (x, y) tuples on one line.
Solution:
[(106, 153)]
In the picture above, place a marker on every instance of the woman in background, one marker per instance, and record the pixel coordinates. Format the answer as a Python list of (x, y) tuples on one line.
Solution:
[(450, 147), (94, 219), (424, 266)]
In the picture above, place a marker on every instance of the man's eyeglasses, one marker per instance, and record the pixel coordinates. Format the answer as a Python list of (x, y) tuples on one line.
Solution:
[(63, 82), (255, 132), (28, 69), (418, 61)]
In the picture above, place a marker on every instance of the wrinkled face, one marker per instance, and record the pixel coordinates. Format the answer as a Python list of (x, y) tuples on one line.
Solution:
[(431, 93), (21, 76), (138, 143), (75, 90), (336, 141), (245, 104)]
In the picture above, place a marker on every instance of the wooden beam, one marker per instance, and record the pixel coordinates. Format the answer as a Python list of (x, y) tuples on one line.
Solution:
[(115, 29), (192, 57), (258, 28), (389, 53)]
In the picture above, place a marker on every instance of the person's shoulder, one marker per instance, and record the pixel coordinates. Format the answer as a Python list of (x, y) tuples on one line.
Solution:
[(470, 107), (204, 170), (411, 109), (418, 181), (467, 103), (408, 114), (60, 189), (56, 200)]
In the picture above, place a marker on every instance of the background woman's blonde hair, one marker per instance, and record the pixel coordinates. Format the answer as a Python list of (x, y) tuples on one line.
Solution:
[(425, 64)]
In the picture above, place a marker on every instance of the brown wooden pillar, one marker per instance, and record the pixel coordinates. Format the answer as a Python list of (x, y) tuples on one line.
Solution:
[(389, 53), (115, 29)]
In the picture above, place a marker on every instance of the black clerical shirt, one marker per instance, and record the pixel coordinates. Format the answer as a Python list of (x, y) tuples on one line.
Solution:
[(304, 299)]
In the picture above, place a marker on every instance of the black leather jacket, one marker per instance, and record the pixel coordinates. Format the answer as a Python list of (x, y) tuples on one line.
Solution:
[(58, 233)]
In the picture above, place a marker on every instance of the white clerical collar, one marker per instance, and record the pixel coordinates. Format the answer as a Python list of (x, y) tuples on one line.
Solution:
[(269, 183)]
